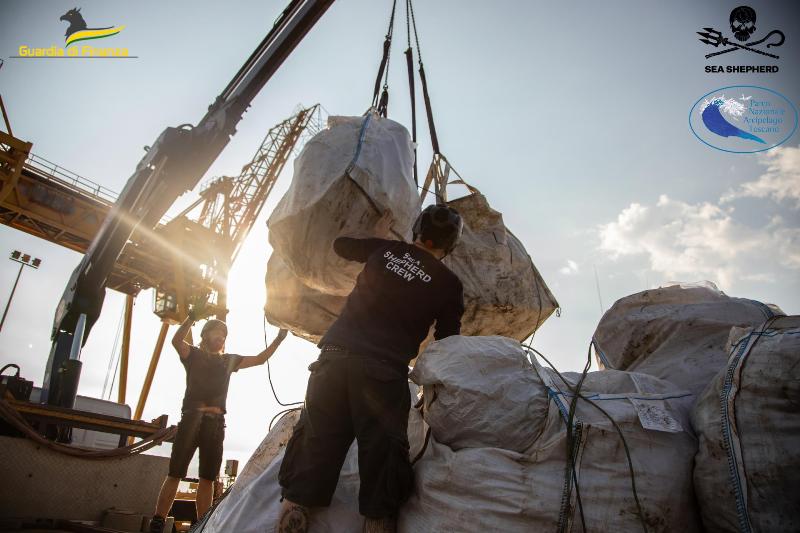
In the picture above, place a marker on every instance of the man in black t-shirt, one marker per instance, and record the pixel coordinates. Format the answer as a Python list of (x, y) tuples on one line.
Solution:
[(359, 385), (202, 425)]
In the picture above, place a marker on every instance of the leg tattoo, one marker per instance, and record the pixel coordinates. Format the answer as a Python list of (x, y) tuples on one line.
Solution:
[(294, 519), (380, 525)]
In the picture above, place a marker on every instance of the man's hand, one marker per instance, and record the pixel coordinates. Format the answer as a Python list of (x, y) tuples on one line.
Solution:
[(261, 358), (383, 227), (199, 308), (196, 312)]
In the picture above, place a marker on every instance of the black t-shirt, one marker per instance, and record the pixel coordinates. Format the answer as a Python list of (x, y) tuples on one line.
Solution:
[(207, 378), (398, 295)]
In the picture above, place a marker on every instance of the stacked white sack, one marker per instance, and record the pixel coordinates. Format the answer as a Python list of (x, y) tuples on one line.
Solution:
[(748, 466), (490, 488), (253, 505), (292, 305), (481, 392), (344, 179), (504, 294), (270, 447), (676, 333)]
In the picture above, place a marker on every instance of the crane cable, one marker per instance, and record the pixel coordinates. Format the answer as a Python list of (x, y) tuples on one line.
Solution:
[(269, 377), (423, 80), (411, 87), (113, 359), (380, 99), (578, 395)]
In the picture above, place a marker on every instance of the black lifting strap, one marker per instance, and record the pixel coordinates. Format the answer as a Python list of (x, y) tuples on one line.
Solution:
[(428, 110), (386, 45), (411, 89), (410, 65), (381, 103), (426, 97)]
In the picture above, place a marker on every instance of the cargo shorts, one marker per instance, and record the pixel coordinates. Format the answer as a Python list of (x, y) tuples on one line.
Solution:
[(205, 431), (351, 396)]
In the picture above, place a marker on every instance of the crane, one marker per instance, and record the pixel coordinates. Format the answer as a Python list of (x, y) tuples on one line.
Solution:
[(218, 222), (206, 243), (172, 165)]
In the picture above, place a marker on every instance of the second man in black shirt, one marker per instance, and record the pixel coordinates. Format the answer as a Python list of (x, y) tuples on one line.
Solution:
[(358, 387)]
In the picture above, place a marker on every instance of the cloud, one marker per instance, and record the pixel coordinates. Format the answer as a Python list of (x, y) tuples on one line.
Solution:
[(787, 240), (706, 241), (701, 241), (780, 182), (570, 268)]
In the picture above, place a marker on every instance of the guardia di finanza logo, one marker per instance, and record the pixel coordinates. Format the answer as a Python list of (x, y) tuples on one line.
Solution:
[(76, 40)]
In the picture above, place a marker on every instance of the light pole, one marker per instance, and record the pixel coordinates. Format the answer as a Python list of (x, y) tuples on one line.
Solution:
[(23, 260)]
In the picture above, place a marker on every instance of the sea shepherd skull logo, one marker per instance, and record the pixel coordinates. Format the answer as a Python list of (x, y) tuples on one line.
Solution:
[(743, 26)]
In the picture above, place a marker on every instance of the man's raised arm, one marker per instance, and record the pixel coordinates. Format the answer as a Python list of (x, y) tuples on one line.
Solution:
[(359, 247), (261, 358), (178, 342)]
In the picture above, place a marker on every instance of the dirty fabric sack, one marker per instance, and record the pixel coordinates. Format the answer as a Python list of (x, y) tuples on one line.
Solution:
[(270, 447), (677, 333), (344, 179), (481, 392), (292, 305), (496, 489), (504, 294), (748, 465)]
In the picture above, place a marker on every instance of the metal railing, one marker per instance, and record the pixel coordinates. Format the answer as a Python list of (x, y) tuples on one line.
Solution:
[(71, 179)]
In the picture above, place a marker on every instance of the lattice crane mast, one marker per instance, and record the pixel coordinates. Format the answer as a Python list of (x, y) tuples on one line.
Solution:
[(172, 165), (212, 229), (239, 201)]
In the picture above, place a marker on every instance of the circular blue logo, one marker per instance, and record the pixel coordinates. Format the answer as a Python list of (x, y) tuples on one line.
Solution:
[(743, 119)]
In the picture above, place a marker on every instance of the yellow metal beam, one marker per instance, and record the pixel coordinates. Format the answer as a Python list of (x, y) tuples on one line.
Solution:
[(87, 420), (151, 370), (126, 346), (13, 153)]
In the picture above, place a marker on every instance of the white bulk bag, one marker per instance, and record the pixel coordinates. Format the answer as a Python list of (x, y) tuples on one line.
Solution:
[(481, 392), (677, 333), (748, 465), (344, 179), (504, 294), (270, 447), (292, 305), (256, 507), (496, 489)]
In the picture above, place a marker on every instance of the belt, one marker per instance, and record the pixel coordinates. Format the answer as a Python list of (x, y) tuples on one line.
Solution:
[(333, 348), (332, 352), (336, 352), (201, 414)]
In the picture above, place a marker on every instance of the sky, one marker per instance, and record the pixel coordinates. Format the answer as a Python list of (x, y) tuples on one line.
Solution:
[(571, 117)]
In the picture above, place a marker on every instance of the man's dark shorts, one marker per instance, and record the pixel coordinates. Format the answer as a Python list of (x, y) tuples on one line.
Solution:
[(198, 430), (351, 396)]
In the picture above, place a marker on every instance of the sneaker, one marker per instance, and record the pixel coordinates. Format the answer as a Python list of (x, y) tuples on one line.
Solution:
[(157, 524)]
